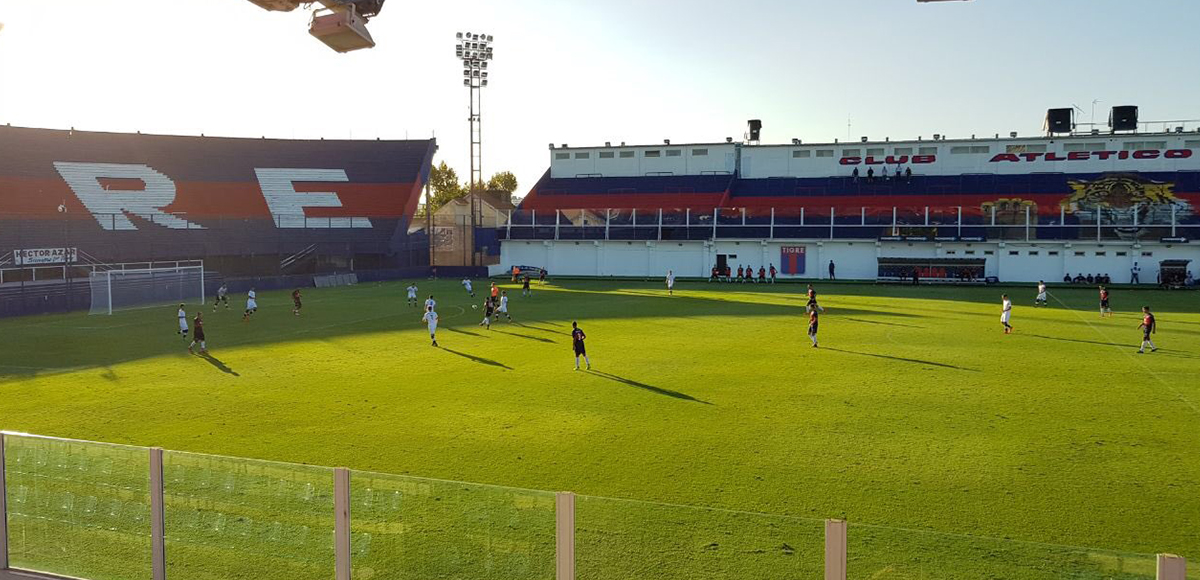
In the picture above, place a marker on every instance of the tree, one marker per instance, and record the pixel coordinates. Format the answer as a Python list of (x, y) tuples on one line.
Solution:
[(503, 181), (443, 180)]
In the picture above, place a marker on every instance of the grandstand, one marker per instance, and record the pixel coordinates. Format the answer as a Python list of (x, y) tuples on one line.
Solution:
[(260, 211), (1030, 207)]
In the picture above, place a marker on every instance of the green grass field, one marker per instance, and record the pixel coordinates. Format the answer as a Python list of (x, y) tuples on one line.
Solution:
[(954, 451)]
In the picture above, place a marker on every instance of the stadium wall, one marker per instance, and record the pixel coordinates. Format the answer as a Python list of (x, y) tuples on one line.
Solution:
[(854, 260)]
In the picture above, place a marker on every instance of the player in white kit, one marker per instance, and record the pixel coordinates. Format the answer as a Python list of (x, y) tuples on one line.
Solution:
[(1041, 297), (431, 319), (430, 304), (251, 305), (670, 283), (412, 294), (503, 309), (467, 284), (1006, 313), (183, 328)]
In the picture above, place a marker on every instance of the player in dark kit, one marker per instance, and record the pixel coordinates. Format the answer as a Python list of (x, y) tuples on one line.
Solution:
[(812, 323), (577, 338), (525, 291), (1104, 309), (296, 302), (489, 309), (198, 337), (1148, 326), (542, 278)]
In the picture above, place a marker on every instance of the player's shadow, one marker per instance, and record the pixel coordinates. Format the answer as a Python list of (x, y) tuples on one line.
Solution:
[(459, 331), (479, 359), (221, 366), (536, 327), (902, 359), (1169, 352), (525, 336), (651, 388), (883, 323)]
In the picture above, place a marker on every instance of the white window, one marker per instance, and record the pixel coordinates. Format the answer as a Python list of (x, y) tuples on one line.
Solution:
[(801, 154), (904, 151), (969, 149), (927, 151), (1027, 148), (878, 152), (626, 154), (1068, 147), (699, 152), (1140, 145), (824, 152), (673, 152), (562, 155), (851, 152), (606, 154), (583, 155), (1192, 144), (652, 154)]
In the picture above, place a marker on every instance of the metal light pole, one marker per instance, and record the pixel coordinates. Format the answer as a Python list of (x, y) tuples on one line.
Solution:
[(475, 50)]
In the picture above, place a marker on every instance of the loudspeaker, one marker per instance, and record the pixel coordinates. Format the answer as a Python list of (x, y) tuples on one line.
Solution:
[(1123, 118), (1060, 120), (755, 128)]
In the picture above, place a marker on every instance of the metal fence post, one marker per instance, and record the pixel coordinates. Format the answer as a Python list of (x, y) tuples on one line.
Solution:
[(3, 511), (341, 523), (1171, 567), (158, 545), (835, 549), (564, 545)]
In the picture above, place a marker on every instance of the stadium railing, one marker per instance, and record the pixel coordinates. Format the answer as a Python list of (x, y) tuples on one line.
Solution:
[(995, 222), (100, 511)]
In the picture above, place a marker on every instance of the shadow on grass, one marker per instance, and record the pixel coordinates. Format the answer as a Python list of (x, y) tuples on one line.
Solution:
[(478, 359), (525, 336), (459, 331), (536, 327), (883, 323), (651, 388), (216, 362), (1130, 345), (902, 359)]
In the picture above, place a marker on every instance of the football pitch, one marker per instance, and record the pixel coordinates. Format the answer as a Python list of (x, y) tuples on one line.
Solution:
[(917, 417)]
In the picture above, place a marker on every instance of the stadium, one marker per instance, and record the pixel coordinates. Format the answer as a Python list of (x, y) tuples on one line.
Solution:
[(244, 356)]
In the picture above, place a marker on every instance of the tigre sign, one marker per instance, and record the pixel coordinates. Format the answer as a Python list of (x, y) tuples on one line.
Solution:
[(45, 256)]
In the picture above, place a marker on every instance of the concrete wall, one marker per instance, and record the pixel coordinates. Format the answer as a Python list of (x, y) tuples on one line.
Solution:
[(855, 260)]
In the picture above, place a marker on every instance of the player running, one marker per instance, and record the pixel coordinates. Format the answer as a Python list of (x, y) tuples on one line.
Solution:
[(222, 293), (198, 338), (431, 318), (430, 304), (1105, 311), (813, 318), (542, 278), (412, 294), (183, 328), (577, 338), (1041, 295), (495, 293), (1148, 326), (489, 309), (1006, 313), (525, 291), (503, 309), (467, 284), (670, 283), (773, 273), (296, 302), (251, 305)]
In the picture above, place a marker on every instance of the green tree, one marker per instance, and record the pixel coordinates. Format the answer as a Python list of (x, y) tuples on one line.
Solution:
[(443, 180), (503, 181)]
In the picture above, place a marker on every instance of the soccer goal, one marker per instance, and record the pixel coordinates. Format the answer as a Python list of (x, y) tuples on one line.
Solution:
[(125, 289)]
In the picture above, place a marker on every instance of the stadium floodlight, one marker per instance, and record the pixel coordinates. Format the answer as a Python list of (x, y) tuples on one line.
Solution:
[(474, 50)]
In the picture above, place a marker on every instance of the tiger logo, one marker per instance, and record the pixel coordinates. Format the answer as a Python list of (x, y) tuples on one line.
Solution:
[(1119, 192)]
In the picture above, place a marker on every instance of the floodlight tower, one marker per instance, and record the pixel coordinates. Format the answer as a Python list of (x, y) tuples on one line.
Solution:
[(475, 51)]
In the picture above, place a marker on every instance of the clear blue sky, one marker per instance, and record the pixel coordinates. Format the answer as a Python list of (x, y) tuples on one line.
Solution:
[(584, 72)]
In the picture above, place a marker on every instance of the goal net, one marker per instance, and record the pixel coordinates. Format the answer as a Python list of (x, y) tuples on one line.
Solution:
[(115, 290)]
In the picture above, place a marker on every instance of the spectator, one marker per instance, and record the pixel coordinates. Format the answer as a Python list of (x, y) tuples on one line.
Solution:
[(728, 273), (908, 174), (1079, 279), (1090, 279), (1107, 278), (854, 175), (772, 273), (1133, 273), (715, 275), (1067, 278), (832, 268), (916, 277), (883, 171), (762, 274), (870, 174), (741, 274)]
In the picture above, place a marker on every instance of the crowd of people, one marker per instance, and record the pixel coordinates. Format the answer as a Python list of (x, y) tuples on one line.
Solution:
[(1089, 279), (743, 274)]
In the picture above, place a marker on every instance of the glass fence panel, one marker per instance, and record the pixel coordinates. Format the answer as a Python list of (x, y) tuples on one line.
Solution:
[(878, 552), (239, 518), (78, 509), (619, 539), (405, 527)]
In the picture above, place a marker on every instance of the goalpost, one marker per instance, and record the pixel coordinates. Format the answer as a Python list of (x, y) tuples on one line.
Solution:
[(124, 289)]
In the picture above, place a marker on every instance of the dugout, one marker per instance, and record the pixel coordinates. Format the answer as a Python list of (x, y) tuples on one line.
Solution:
[(931, 270), (1173, 273)]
